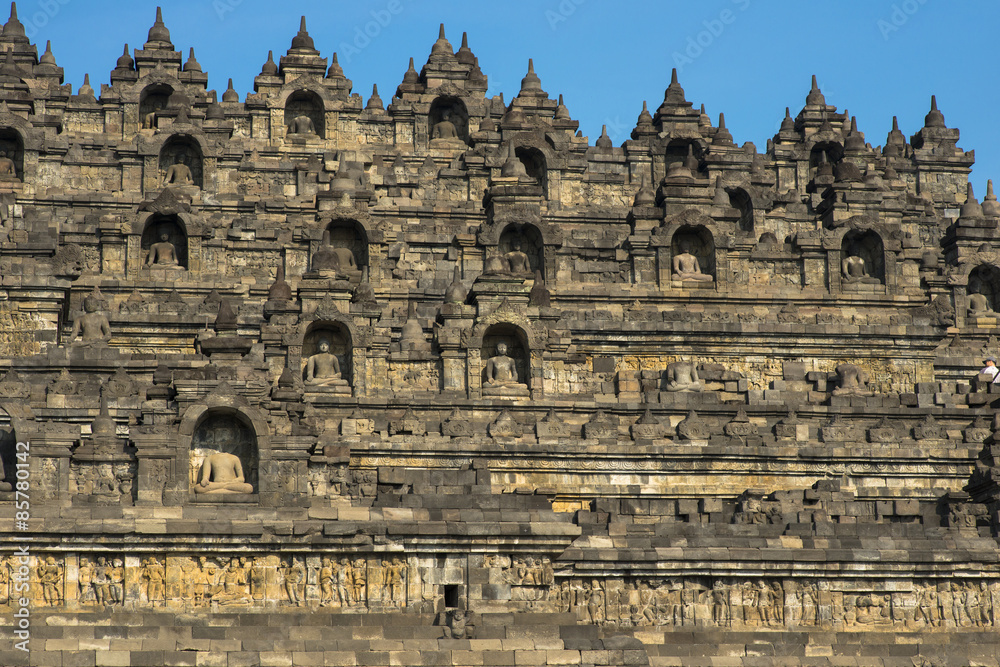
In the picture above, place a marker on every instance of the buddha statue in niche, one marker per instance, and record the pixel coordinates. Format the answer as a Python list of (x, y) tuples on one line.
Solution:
[(517, 261), (7, 168), (163, 254), (686, 265), (500, 369), (336, 260), (302, 126), (979, 306), (179, 173), (855, 270), (323, 368), (445, 133), (222, 472), (501, 375)]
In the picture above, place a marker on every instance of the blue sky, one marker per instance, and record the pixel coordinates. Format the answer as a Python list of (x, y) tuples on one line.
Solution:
[(747, 58)]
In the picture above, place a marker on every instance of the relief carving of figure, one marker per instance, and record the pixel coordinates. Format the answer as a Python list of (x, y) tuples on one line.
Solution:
[(295, 576), (117, 587), (153, 575), (396, 578), (102, 581), (84, 579), (50, 576), (358, 581), (327, 577), (344, 582), (234, 583)]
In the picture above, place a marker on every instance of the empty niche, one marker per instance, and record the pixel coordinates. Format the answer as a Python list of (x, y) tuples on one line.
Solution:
[(740, 200), (828, 151), (677, 152), (154, 99), (534, 163)]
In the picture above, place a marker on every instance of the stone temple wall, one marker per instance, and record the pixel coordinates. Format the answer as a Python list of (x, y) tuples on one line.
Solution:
[(304, 379)]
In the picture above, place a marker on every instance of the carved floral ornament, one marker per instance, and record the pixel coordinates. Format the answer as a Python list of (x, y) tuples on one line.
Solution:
[(505, 313), (959, 275)]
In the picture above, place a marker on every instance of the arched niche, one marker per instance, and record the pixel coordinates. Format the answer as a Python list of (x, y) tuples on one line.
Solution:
[(740, 200), (154, 98), (182, 150), (862, 257), (518, 349), (350, 235), (677, 152), (11, 148), (985, 280), (158, 226), (340, 344), (227, 431), (696, 240), (448, 118), (534, 163), (309, 104), (529, 240)]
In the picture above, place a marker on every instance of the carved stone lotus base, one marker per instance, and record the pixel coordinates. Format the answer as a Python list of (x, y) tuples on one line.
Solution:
[(506, 391), (687, 283), (223, 497), (446, 144), (338, 387)]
